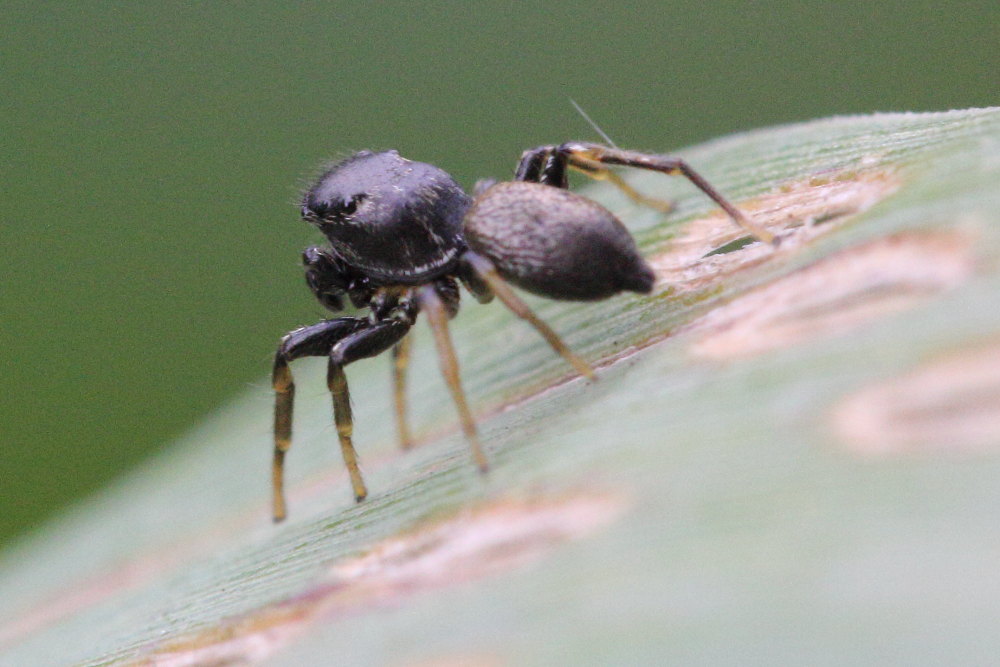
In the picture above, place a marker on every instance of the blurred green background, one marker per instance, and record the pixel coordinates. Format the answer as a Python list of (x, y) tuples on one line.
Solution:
[(153, 153)]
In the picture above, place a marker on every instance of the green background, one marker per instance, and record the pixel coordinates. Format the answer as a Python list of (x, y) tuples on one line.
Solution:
[(153, 153)]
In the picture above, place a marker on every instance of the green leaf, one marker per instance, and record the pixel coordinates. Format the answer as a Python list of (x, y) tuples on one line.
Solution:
[(790, 455)]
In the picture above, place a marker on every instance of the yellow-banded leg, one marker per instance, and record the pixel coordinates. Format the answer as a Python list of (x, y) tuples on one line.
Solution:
[(284, 390), (311, 341), (371, 341), (589, 158), (344, 339), (437, 316), (548, 165), (484, 269), (337, 382), (400, 364), (600, 173)]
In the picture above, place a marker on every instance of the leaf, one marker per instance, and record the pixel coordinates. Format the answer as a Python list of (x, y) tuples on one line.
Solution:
[(790, 454)]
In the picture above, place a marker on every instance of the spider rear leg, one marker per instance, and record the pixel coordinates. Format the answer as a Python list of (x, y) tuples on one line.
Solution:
[(546, 165), (437, 310), (373, 340), (311, 341), (590, 157), (600, 173), (487, 272), (536, 167)]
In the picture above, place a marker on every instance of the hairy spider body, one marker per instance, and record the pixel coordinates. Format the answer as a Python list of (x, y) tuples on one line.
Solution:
[(555, 243), (392, 220), (403, 235)]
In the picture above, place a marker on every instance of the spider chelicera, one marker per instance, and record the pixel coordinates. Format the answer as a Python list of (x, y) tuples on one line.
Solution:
[(403, 235)]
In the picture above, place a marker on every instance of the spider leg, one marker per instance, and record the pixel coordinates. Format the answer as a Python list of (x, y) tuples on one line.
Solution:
[(370, 341), (400, 362), (311, 341), (437, 309), (600, 173), (548, 164), (590, 157), (531, 165), (488, 274), (474, 282)]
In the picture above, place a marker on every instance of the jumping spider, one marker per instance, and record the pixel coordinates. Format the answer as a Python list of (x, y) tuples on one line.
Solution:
[(403, 234)]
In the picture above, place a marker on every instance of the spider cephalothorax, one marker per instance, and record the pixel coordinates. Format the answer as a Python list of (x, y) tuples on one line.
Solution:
[(394, 219), (402, 236)]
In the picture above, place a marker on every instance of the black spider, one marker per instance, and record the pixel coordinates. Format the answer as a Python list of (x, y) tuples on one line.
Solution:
[(403, 234)]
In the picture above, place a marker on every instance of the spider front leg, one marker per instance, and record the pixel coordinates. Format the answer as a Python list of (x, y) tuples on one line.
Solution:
[(311, 341), (344, 340), (368, 342)]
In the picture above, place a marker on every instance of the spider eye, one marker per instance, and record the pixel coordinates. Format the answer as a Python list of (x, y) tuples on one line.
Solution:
[(321, 209), (315, 210), (350, 204)]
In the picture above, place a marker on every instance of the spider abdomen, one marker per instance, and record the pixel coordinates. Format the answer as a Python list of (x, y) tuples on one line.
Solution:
[(555, 243)]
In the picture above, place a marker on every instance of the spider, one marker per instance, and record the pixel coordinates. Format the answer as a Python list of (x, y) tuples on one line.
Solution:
[(402, 236)]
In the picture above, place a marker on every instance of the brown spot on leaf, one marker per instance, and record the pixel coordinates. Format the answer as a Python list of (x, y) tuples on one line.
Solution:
[(837, 294), (712, 247), (246, 640), (475, 543), (949, 404)]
